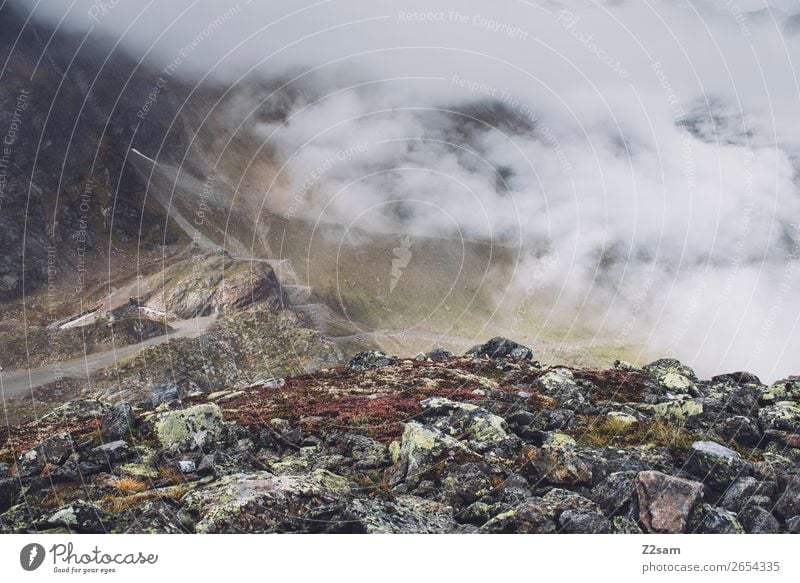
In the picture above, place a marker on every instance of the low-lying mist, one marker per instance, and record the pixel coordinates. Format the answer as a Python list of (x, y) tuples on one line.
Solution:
[(644, 156)]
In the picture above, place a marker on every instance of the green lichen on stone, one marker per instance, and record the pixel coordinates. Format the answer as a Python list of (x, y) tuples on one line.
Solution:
[(678, 410), (192, 428)]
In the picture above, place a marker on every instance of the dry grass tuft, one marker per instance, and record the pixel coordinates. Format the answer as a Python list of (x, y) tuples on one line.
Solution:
[(129, 486)]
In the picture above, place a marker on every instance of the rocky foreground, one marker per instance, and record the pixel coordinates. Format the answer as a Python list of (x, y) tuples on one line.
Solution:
[(490, 442)]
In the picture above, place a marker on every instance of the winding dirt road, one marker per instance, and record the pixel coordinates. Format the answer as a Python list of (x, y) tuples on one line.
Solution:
[(14, 383)]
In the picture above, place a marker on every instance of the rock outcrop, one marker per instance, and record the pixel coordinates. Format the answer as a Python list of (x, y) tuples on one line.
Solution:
[(490, 442)]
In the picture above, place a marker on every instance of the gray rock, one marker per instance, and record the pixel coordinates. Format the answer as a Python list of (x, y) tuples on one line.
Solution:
[(481, 429), (793, 525), (560, 385), (435, 355), (665, 366), (52, 451), (166, 393), (788, 503), (189, 429), (9, 488), (187, 466), (117, 423), (743, 490), (531, 517), (708, 519), (554, 465), (742, 430), (624, 525), (78, 410), (782, 416), (264, 503), (758, 520), (81, 517), (421, 449), (370, 359), (666, 502), (615, 493), (715, 465), (499, 347), (402, 515), (738, 378), (583, 522)]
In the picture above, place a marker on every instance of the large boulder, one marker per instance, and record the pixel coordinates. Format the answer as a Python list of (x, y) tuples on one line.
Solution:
[(664, 366), (481, 429), (666, 502), (715, 465), (370, 359), (78, 410), (422, 449), (264, 503), (533, 516), (53, 451), (9, 488), (194, 428), (745, 489), (402, 515), (118, 422), (758, 520), (708, 519), (616, 492), (583, 522), (554, 465), (499, 347), (782, 416), (788, 502)]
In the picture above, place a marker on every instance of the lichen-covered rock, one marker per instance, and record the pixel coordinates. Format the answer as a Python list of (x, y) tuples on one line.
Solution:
[(743, 490), (421, 449), (189, 429), (499, 347), (615, 493), (53, 451), (715, 465), (738, 378), (676, 383), (530, 517), (785, 390), (264, 503), (481, 429), (435, 355), (156, 517), (9, 488), (81, 517), (78, 410), (739, 429), (118, 422), (463, 484), (402, 515), (560, 384), (166, 393), (678, 410), (782, 416), (708, 519), (788, 503), (664, 366), (758, 520), (583, 522), (554, 465), (370, 359), (666, 502)]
